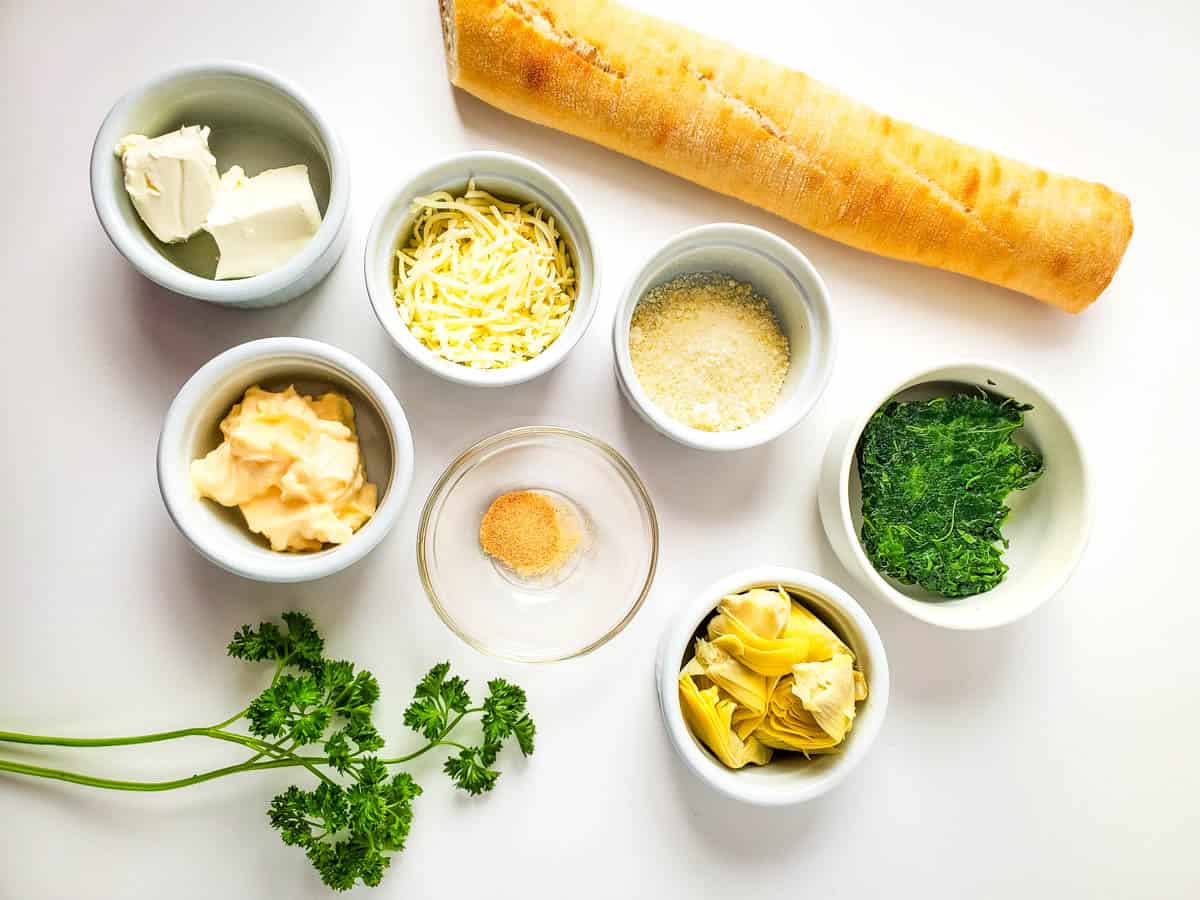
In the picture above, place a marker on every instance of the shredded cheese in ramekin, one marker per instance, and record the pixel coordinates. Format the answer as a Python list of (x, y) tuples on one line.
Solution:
[(484, 282)]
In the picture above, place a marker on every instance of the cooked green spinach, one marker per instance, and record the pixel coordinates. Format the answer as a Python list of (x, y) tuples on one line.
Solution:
[(935, 475)]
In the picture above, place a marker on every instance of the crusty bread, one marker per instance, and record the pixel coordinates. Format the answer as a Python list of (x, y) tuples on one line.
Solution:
[(776, 138)]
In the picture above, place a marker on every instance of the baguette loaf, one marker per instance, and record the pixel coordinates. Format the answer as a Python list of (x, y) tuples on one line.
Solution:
[(776, 138)]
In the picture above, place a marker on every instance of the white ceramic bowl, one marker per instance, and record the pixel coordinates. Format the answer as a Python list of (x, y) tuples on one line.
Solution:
[(191, 430), (779, 272), (511, 178), (258, 121), (1048, 527), (790, 779)]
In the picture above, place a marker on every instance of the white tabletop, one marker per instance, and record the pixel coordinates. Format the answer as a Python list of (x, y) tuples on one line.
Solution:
[(1053, 758)]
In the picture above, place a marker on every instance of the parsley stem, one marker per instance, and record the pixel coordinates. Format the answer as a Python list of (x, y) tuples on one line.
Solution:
[(231, 719), (272, 750), (396, 760), (215, 732), (119, 785), (265, 749), (281, 757), (262, 748), (13, 737), (289, 761)]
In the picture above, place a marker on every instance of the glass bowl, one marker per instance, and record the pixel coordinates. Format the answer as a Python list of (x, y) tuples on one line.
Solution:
[(575, 609)]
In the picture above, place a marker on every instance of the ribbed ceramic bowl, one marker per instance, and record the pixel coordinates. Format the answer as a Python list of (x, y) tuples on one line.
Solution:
[(191, 430), (788, 779), (259, 121), (1047, 529), (510, 178), (779, 272)]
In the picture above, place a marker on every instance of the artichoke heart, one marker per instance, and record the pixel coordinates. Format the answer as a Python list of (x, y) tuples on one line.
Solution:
[(801, 622), (744, 685), (789, 726), (774, 656), (696, 670), (770, 676), (764, 612), (744, 722), (710, 720), (827, 690), (776, 661)]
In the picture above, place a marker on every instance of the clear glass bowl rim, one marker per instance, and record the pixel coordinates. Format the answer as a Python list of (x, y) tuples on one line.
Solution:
[(499, 439)]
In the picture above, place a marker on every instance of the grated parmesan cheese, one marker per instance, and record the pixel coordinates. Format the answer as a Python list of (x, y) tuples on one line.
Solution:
[(484, 282), (709, 351)]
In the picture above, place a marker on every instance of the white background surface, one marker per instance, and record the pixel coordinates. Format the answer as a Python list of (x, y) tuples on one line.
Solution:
[(1055, 758)]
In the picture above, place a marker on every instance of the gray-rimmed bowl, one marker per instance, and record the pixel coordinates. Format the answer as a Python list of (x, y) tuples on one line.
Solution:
[(258, 109), (510, 178), (789, 778), (190, 430), (798, 296)]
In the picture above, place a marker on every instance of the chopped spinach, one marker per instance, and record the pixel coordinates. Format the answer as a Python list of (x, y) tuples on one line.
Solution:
[(935, 475)]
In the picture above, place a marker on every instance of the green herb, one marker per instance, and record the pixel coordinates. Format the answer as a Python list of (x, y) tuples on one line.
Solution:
[(358, 814), (935, 475)]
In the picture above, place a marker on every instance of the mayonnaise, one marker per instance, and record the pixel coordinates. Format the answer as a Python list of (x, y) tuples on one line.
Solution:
[(293, 466)]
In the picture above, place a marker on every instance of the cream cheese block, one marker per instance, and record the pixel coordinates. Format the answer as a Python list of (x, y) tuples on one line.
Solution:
[(260, 223), (171, 180)]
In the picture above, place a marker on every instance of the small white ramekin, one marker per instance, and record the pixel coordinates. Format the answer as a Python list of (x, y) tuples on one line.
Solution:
[(779, 272), (190, 95), (785, 780), (511, 178), (191, 430), (1047, 530)]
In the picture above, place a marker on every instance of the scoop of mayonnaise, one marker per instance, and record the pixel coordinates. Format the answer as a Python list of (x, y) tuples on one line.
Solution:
[(293, 466)]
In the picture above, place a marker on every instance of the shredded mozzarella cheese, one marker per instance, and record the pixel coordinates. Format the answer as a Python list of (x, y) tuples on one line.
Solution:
[(484, 282)]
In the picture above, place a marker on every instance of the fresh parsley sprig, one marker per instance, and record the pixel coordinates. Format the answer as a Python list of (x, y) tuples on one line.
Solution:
[(358, 814)]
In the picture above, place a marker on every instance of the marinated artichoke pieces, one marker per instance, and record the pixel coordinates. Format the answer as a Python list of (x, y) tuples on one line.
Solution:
[(770, 676), (711, 719)]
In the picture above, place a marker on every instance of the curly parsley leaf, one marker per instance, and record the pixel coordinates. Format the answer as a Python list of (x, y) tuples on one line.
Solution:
[(524, 730), (502, 708), (426, 717), (299, 645), (257, 644), (469, 770), (304, 644), (348, 834), (435, 701), (293, 708)]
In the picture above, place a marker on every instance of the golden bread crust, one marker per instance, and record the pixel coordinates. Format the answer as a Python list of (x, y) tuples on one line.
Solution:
[(774, 137)]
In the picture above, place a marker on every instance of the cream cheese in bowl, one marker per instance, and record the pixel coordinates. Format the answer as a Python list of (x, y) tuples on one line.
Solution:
[(259, 223), (269, 230)]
